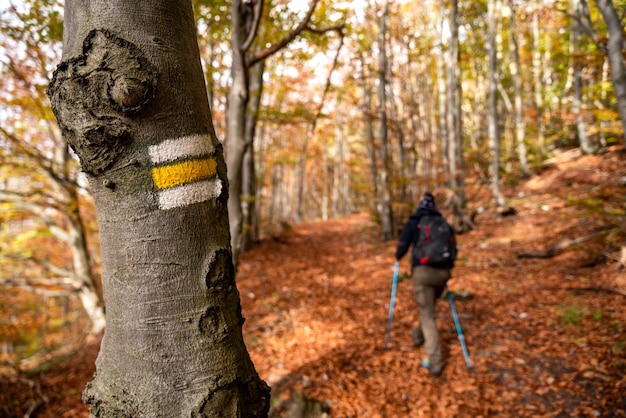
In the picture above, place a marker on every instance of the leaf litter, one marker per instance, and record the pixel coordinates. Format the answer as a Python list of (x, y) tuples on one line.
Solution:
[(545, 334)]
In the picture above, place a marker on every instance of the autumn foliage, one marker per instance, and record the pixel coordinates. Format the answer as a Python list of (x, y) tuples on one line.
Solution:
[(540, 296)]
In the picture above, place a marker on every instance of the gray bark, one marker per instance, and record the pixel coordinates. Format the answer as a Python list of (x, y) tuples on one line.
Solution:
[(245, 18), (368, 128), (520, 127), (384, 202), (492, 116), (616, 58), (455, 123), (577, 99), (537, 71), (443, 102), (130, 98), (249, 203)]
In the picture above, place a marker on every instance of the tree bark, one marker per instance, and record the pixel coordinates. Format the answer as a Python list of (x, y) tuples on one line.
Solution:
[(368, 129), (384, 204), (249, 203), (130, 99), (537, 70), (515, 67), (494, 132), (616, 57), (577, 99), (246, 17)]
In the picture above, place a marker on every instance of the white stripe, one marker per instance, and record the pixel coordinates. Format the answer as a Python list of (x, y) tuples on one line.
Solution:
[(186, 146), (189, 193)]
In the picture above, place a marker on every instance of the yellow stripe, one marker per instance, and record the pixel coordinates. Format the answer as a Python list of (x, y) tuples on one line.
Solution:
[(183, 173)]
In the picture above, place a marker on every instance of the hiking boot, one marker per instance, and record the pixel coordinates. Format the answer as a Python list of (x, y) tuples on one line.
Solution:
[(418, 337), (435, 371)]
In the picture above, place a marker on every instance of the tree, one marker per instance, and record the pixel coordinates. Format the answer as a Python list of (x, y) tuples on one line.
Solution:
[(494, 7), (42, 193), (455, 123), (384, 199), (517, 93), (130, 98), (577, 99), (246, 18), (615, 49)]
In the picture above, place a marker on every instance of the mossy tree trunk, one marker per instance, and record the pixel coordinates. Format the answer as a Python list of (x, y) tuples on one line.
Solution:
[(130, 98)]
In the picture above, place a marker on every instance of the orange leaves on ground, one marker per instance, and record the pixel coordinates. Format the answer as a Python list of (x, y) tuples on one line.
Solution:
[(544, 335)]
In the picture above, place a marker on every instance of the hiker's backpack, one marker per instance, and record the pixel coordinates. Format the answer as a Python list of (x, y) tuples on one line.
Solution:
[(436, 244)]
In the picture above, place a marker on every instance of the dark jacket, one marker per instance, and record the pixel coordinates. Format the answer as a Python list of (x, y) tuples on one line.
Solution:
[(410, 232)]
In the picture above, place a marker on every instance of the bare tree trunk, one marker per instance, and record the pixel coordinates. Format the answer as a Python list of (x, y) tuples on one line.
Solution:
[(86, 285), (249, 203), (581, 127), (132, 103), (443, 103), (616, 58), (386, 214), (520, 139), (452, 96), (369, 131), (494, 132), (340, 190), (538, 82), (246, 18), (455, 123)]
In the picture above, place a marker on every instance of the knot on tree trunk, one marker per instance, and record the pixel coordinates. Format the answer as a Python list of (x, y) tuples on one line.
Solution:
[(94, 94)]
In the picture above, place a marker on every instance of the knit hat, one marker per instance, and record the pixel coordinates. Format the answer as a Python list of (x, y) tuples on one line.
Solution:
[(428, 201)]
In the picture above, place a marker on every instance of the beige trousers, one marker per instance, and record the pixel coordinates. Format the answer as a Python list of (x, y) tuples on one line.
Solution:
[(428, 285)]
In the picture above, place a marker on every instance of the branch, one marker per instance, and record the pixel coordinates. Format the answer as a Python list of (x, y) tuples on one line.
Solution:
[(39, 158), (274, 48), (38, 290), (556, 249), (39, 211), (585, 24), (57, 271), (320, 31), (22, 201), (588, 289), (257, 13), (328, 81)]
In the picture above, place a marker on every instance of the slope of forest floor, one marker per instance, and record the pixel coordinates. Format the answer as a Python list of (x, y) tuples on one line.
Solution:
[(540, 297)]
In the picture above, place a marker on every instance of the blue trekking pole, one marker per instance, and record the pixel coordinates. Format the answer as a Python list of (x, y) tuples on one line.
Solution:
[(459, 331), (394, 285)]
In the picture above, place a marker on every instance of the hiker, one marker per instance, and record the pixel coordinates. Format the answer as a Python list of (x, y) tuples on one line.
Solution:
[(428, 285)]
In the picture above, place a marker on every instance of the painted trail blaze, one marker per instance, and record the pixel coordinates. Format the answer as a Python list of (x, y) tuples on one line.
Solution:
[(184, 171)]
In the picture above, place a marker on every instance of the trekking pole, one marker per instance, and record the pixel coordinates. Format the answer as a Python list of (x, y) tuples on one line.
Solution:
[(394, 285), (459, 331)]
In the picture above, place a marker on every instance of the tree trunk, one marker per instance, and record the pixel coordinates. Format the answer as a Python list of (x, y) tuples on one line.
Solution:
[(83, 276), (236, 144), (616, 57), (577, 99), (455, 123), (386, 214), (443, 133), (368, 130), (249, 203), (537, 71), (130, 98), (494, 132), (520, 127), (452, 98)]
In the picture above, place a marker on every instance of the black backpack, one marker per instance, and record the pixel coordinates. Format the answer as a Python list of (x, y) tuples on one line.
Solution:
[(436, 243)]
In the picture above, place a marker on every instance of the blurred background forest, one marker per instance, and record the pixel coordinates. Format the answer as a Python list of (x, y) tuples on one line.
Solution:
[(369, 104)]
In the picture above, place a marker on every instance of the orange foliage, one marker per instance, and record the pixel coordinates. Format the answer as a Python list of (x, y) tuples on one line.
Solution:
[(545, 335)]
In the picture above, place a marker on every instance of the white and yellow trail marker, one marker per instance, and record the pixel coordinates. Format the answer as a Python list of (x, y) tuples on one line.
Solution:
[(184, 172)]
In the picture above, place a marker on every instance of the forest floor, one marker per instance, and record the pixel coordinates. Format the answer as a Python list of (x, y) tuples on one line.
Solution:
[(540, 296)]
